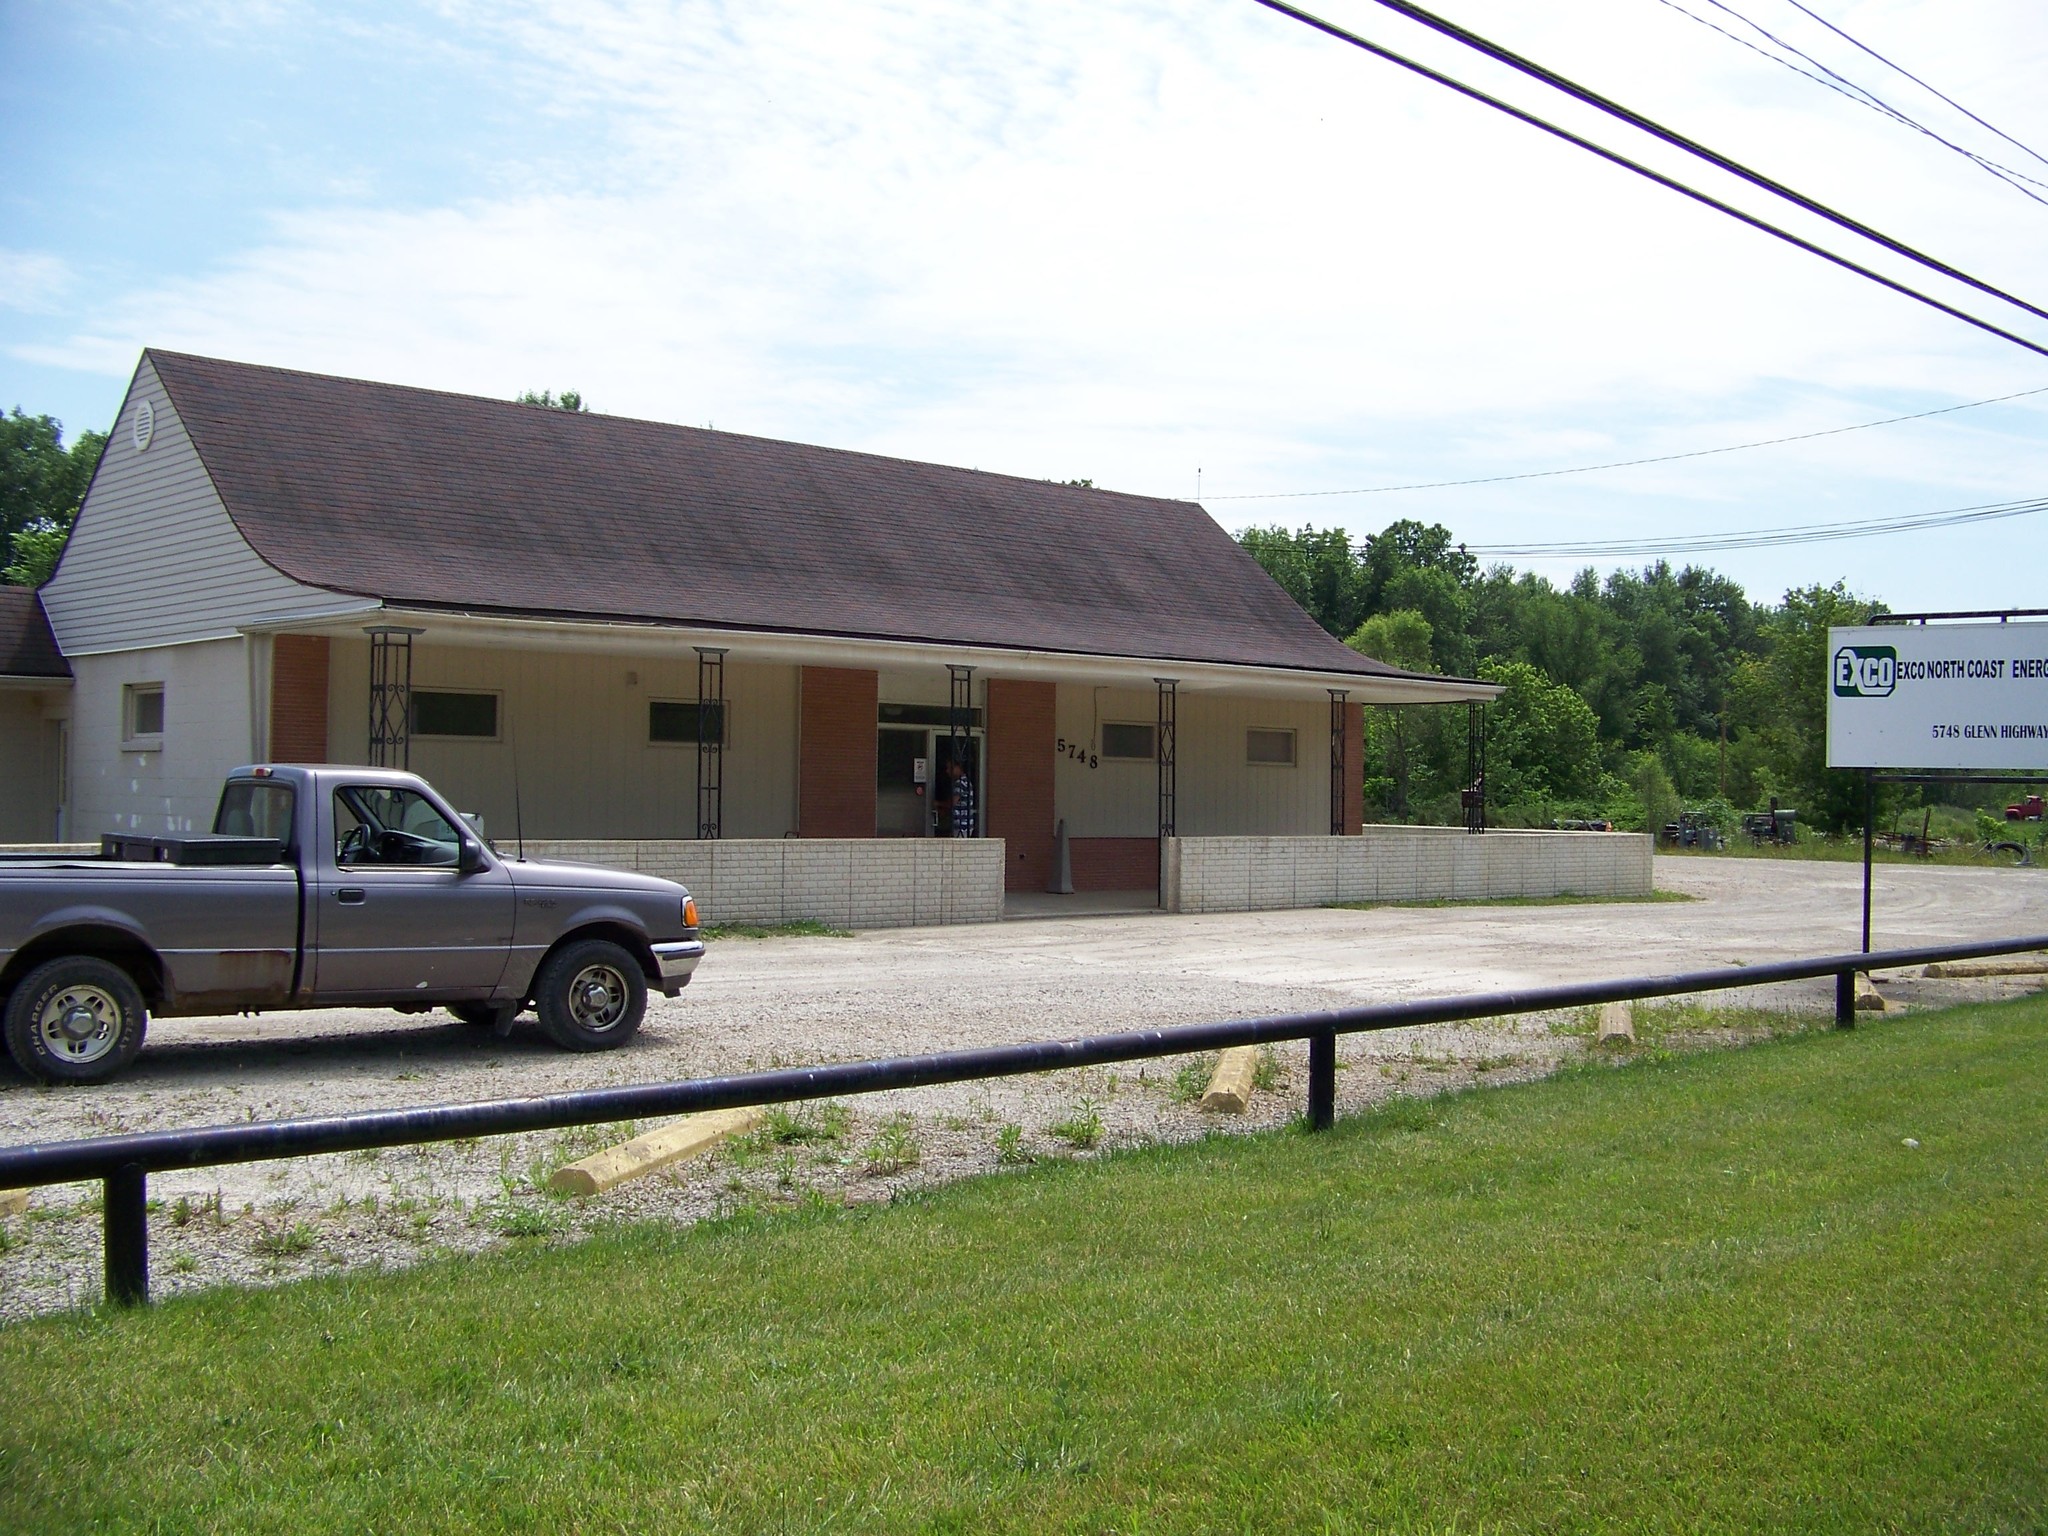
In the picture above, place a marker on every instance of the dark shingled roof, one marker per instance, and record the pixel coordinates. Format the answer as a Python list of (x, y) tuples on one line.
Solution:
[(424, 498), (27, 648)]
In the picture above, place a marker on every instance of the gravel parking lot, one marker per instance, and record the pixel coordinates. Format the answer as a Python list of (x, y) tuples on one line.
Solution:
[(788, 1001)]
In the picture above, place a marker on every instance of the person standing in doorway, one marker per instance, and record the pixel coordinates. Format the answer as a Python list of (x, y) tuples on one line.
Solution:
[(959, 799)]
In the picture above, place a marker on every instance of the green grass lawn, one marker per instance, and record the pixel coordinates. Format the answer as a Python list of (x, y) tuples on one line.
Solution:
[(1699, 1293)]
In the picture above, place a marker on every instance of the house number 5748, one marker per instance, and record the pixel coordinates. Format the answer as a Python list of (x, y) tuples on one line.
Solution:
[(1077, 750)]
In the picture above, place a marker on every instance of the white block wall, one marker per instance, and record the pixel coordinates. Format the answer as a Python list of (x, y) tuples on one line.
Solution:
[(847, 882), (1388, 863), (211, 724)]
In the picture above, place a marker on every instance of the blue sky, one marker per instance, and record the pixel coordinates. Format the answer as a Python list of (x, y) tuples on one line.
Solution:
[(1127, 240)]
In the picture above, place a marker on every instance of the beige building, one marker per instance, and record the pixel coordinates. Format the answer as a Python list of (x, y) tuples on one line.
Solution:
[(668, 645)]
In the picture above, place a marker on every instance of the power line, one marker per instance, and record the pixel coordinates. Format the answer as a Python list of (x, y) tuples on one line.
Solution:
[(1677, 140), (1843, 86), (1662, 458), (1888, 64), (1876, 103), (1672, 183), (1871, 98), (1765, 538)]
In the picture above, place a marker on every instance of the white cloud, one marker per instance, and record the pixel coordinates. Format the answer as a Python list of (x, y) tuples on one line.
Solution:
[(33, 281), (1127, 240)]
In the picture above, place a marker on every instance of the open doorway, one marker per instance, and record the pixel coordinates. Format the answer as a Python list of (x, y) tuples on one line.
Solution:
[(910, 780)]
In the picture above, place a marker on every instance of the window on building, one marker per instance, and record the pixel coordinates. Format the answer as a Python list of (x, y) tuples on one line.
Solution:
[(472, 715), (1127, 742), (1269, 748), (142, 711), (675, 720)]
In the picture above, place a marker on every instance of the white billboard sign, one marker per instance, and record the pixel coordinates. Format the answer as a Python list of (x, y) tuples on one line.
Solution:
[(1962, 697)]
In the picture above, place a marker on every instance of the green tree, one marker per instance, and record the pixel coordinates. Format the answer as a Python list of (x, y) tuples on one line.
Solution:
[(1780, 702), (1688, 628), (1317, 568), (1654, 792), (1674, 662), (1542, 740), (1411, 546), (1400, 639), (36, 549), (41, 485), (567, 400), (1438, 596)]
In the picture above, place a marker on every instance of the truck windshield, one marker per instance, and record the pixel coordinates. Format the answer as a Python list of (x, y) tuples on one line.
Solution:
[(253, 808)]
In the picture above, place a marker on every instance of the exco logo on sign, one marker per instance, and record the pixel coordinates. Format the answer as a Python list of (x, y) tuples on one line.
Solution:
[(1866, 671)]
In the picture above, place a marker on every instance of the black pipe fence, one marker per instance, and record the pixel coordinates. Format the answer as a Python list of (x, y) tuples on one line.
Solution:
[(124, 1163)]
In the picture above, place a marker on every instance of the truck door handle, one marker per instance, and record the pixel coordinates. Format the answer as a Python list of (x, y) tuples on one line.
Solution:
[(350, 895)]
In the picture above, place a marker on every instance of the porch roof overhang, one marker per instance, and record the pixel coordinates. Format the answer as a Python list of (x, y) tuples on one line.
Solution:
[(620, 637), (29, 655)]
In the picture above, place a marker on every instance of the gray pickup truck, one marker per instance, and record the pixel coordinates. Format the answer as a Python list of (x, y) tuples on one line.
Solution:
[(323, 888)]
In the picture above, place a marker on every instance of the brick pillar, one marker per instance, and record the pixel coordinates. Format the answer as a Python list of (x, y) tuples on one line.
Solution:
[(1354, 768), (1115, 863), (1018, 799), (298, 699), (836, 753)]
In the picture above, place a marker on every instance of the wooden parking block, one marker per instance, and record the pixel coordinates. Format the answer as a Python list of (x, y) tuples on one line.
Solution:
[(1617, 1023), (1230, 1086), (665, 1144), (2016, 965), (13, 1201), (1868, 998)]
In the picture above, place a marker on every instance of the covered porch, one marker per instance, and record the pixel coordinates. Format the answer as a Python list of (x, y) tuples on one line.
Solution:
[(789, 776)]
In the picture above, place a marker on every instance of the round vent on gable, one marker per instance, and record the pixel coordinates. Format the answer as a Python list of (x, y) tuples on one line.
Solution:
[(145, 425)]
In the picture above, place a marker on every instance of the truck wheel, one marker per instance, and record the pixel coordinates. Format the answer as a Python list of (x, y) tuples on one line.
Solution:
[(591, 995), (75, 1020)]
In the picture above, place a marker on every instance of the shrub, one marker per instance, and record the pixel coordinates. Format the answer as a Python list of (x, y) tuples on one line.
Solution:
[(285, 1242), (893, 1147), (1082, 1129), (1010, 1148)]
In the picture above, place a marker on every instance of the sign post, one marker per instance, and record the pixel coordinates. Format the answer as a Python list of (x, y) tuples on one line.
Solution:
[(1948, 700)]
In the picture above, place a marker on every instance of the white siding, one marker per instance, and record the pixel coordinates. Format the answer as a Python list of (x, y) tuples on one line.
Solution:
[(1218, 794), (585, 766), (207, 731), (155, 559)]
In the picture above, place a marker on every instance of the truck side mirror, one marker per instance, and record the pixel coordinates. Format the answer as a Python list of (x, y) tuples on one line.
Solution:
[(470, 857)]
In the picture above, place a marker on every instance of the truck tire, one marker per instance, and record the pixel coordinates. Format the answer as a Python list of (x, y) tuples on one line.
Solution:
[(591, 995), (76, 1019)]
